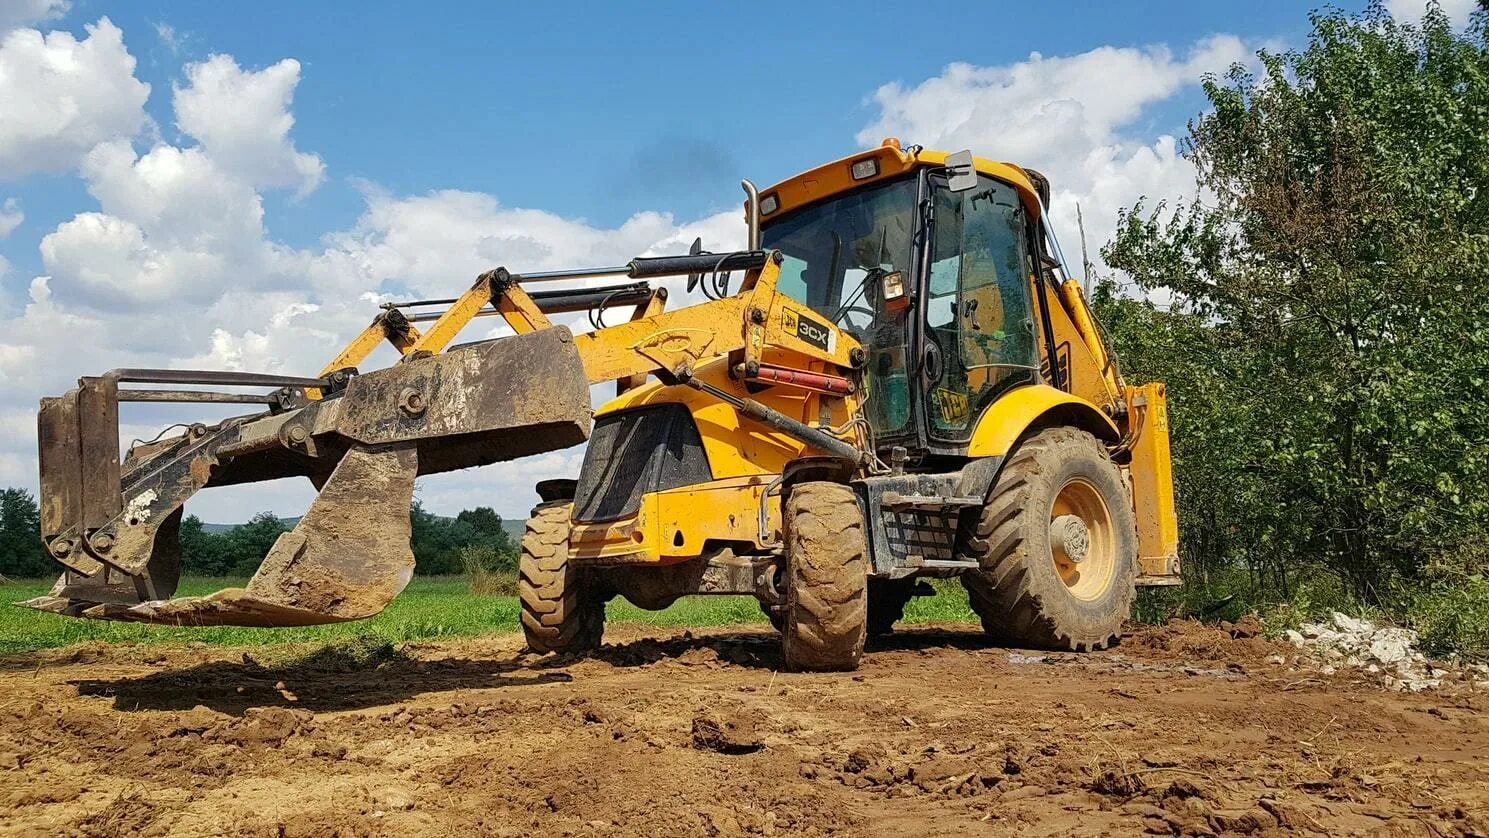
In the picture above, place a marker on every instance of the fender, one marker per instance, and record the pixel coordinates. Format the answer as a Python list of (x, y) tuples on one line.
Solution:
[(1007, 419)]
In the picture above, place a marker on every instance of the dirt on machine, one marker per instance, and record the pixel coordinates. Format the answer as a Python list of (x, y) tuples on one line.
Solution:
[(895, 381)]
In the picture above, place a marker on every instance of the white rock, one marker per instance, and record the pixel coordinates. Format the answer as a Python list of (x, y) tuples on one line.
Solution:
[(1353, 625), (1278, 660), (1389, 648)]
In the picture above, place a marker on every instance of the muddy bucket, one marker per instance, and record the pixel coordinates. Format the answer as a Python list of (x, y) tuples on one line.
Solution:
[(362, 445)]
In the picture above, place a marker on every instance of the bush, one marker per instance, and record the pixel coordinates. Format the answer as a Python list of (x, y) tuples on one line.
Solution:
[(1452, 616), (489, 571)]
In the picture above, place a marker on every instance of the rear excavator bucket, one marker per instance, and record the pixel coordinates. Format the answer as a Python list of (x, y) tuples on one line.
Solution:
[(361, 439)]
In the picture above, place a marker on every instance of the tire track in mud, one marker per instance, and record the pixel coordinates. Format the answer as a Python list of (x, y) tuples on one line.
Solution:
[(1183, 729)]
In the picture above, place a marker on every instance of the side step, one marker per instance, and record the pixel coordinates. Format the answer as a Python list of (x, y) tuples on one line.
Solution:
[(927, 503)]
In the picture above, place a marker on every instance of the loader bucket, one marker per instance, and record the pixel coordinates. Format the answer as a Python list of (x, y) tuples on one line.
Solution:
[(113, 527)]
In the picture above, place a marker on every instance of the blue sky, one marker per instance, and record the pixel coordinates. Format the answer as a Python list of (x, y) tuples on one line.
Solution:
[(598, 112), (157, 209)]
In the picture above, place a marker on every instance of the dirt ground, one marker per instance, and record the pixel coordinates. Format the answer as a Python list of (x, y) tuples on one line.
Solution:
[(1180, 730)]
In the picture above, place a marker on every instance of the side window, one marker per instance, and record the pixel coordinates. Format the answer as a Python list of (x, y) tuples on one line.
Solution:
[(977, 303)]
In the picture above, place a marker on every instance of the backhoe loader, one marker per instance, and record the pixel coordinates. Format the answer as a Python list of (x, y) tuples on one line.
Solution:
[(903, 384)]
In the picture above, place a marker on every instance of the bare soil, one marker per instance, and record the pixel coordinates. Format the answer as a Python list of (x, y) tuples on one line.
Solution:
[(1184, 729)]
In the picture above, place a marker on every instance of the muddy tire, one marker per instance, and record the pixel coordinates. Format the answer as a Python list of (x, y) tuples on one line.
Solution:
[(826, 616), (887, 601), (1057, 544), (560, 610)]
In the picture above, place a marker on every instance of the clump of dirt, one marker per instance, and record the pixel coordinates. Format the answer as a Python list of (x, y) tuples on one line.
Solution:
[(362, 651), (126, 815), (1239, 642), (731, 735)]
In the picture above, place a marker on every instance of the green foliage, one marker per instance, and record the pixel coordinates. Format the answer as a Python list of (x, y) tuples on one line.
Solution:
[(1451, 613), (438, 542), (236, 552), (21, 552), (1327, 341)]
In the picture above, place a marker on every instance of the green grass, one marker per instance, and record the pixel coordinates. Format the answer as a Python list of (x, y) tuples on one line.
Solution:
[(431, 607)]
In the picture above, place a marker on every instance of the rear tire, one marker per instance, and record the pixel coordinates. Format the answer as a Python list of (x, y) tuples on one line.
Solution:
[(562, 611), (826, 614), (1040, 586)]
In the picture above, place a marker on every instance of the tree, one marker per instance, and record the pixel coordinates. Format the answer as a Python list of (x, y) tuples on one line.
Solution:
[(490, 532), (204, 553), (21, 552), (247, 545), (1329, 328)]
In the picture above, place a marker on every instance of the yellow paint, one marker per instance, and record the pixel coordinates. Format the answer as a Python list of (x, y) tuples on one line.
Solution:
[(1075, 356), (1006, 419), (364, 343), (456, 317), (1085, 325), (1152, 475), (675, 525), (829, 179)]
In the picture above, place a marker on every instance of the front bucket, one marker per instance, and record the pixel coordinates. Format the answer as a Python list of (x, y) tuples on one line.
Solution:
[(346, 560), (115, 530)]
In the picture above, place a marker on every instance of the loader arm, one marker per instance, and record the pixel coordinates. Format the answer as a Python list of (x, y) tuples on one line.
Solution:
[(362, 439)]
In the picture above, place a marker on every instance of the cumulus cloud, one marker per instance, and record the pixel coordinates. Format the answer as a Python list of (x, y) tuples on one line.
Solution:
[(1072, 117), (63, 96), (242, 119), (17, 13), (185, 224), (1411, 11), (10, 217), (174, 266)]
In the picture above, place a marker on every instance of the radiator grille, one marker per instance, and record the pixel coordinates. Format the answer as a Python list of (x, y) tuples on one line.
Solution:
[(929, 535), (636, 452)]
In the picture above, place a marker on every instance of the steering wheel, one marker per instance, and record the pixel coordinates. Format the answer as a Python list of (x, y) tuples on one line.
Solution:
[(867, 314)]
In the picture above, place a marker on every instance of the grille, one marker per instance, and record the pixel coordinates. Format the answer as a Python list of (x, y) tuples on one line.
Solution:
[(930, 535), (635, 452)]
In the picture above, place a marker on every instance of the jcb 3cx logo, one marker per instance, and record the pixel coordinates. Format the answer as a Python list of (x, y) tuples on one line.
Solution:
[(807, 329)]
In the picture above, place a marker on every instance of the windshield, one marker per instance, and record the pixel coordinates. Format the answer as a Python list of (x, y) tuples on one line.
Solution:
[(836, 254), (831, 249)]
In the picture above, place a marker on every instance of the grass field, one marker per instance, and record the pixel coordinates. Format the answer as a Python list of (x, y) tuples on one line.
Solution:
[(430, 608)]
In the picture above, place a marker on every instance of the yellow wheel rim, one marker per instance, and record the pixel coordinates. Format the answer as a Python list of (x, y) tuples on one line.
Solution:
[(1083, 544)]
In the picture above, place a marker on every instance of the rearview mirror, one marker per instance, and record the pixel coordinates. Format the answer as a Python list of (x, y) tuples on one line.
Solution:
[(961, 175)]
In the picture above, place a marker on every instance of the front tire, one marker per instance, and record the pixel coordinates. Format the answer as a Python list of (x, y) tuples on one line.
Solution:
[(561, 609), (1057, 546), (826, 616)]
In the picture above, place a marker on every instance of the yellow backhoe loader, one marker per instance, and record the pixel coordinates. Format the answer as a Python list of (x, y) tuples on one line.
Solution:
[(903, 384)]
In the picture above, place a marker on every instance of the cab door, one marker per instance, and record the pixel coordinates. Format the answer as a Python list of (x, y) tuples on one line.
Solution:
[(979, 337)]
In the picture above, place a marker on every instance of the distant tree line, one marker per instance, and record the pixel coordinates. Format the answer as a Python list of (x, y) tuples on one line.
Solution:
[(441, 545)]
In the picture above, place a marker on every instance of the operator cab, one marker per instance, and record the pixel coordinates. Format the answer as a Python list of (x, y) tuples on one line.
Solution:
[(930, 269)]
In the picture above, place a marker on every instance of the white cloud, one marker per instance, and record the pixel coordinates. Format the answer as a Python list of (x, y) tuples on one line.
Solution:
[(243, 120), (1072, 117), (1411, 11), (17, 13), (10, 216), (63, 96), (174, 267), (185, 224)]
